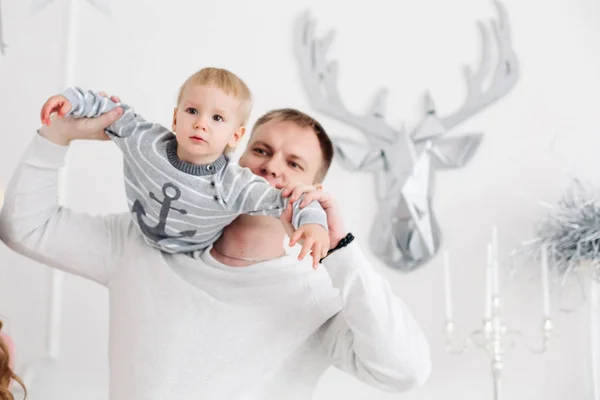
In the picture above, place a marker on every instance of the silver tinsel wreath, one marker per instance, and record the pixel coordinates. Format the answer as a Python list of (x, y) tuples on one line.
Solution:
[(571, 229)]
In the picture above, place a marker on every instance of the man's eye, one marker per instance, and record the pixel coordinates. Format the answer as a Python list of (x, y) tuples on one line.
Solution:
[(217, 118), (191, 110), (295, 165), (259, 151)]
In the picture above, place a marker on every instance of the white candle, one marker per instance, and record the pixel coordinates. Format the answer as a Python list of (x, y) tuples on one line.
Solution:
[(447, 286), (495, 266), (545, 286), (488, 283)]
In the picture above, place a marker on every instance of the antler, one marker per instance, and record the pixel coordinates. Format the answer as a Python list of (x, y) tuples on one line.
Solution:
[(320, 78), (505, 77)]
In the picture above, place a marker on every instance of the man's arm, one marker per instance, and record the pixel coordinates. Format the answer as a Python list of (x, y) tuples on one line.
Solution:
[(33, 224), (374, 337)]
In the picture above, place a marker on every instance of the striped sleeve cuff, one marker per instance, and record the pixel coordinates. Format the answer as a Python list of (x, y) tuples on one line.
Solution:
[(310, 216)]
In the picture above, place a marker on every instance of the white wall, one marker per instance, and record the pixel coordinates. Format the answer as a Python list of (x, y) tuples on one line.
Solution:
[(146, 48)]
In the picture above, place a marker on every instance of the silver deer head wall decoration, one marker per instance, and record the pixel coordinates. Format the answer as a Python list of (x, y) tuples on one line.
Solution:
[(405, 234)]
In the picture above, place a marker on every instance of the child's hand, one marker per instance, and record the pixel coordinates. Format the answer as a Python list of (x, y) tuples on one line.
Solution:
[(311, 193), (313, 237), (58, 104)]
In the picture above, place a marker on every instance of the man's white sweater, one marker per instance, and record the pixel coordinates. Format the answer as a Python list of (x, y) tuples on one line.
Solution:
[(185, 328)]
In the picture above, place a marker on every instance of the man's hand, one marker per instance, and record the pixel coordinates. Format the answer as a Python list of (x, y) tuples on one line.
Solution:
[(62, 130), (315, 238)]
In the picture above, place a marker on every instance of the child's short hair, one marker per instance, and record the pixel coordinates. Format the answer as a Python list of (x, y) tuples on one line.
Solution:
[(228, 82)]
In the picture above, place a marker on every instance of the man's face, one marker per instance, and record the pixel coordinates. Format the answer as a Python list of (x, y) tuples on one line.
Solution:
[(283, 153)]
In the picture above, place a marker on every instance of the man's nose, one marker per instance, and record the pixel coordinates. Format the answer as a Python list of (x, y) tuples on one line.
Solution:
[(272, 168)]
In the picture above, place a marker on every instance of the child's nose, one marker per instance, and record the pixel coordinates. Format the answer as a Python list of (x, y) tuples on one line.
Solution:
[(200, 123)]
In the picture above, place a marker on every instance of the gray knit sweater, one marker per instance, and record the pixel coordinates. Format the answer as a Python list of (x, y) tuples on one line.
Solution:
[(177, 206)]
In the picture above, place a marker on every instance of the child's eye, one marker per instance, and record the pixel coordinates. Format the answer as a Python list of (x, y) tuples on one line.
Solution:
[(217, 118), (191, 110), (294, 165), (260, 151)]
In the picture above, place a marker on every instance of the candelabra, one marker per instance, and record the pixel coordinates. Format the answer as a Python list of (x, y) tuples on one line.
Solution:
[(494, 336)]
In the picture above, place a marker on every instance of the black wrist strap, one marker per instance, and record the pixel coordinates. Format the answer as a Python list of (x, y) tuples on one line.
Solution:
[(346, 240)]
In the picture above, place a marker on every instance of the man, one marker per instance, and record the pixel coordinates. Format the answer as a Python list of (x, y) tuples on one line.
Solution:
[(241, 320)]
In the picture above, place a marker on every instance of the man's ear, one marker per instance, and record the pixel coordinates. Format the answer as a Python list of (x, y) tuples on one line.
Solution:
[(174, 125), (237, 136)]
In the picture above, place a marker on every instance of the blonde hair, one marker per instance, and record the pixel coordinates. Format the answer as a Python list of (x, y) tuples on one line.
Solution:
[(228, 82), (7, 375)]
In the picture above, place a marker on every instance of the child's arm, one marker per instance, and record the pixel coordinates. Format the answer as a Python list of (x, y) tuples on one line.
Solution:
[(255, 196), (252, 194), (80, 103)]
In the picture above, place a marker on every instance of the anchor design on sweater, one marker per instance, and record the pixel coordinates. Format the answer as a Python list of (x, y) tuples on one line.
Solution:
[(171, 193)]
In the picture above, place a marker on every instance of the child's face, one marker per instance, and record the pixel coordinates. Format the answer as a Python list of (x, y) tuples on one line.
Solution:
[(205, 121)]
